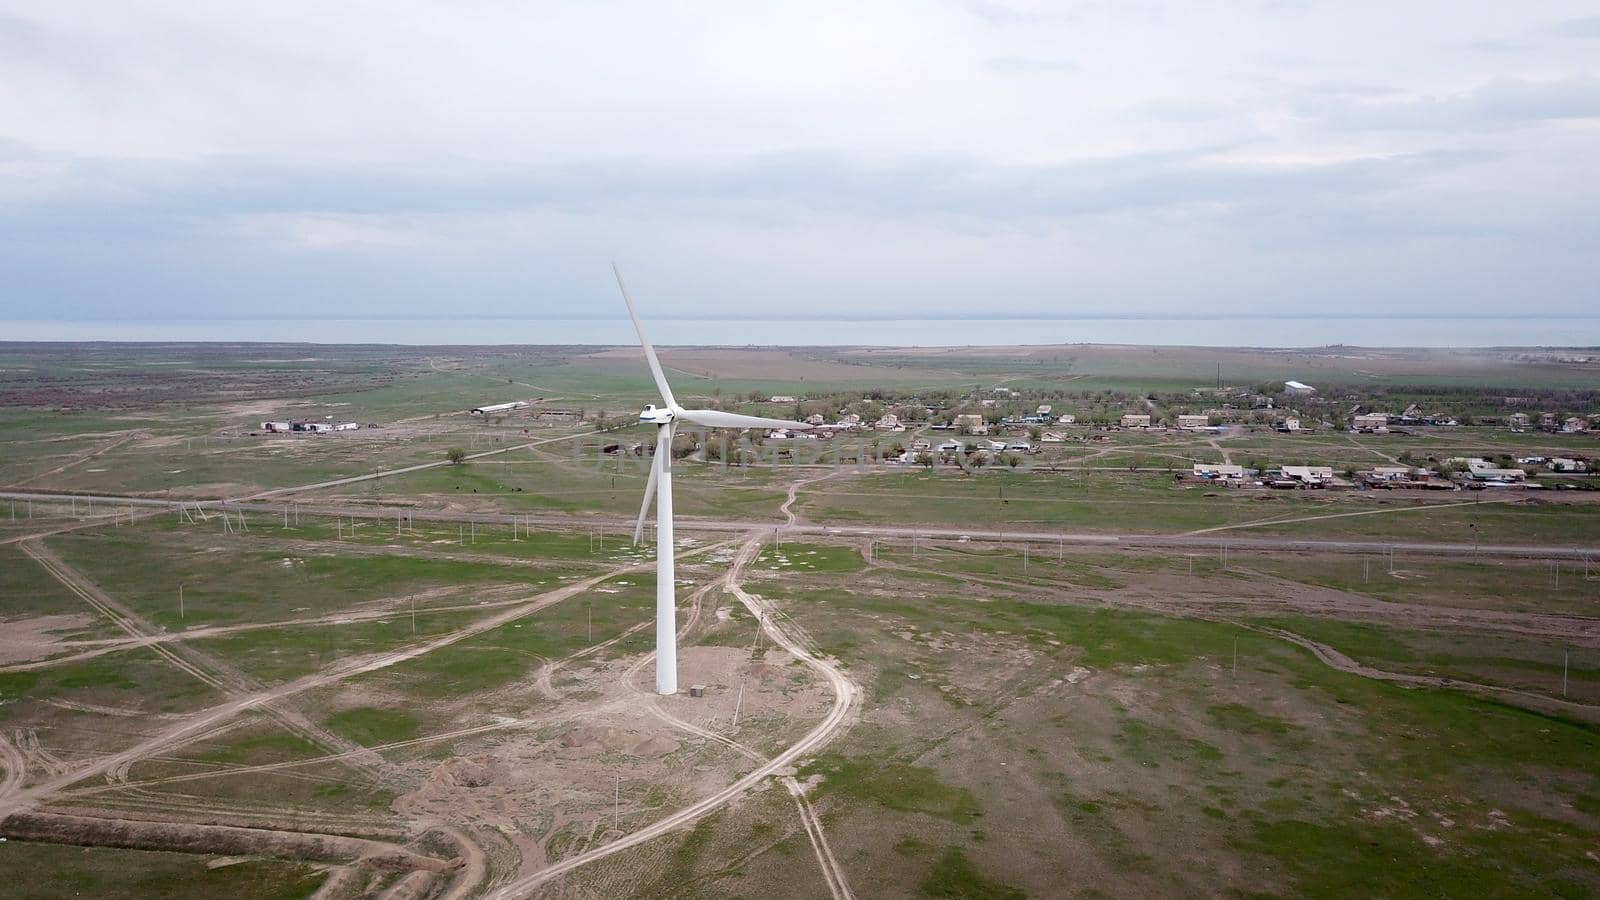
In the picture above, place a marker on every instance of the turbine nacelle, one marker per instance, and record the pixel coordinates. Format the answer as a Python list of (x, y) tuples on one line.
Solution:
[(654, 415)]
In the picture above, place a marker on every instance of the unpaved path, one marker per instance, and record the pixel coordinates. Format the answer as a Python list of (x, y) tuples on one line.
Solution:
[(845, 693), (209, 670), (82, 457), (1336, 660), (181, 731), (1344, 515)]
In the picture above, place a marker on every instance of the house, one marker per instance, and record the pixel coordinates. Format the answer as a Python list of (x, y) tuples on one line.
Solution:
[(1566, 464), (781, 398), (849, 420), (889, 422), (1316, 475), (815, 419), (1389, 473), (1547, 420), (1067, 420), (1043, 411), (275, 426), (560, 415), (1520, 420), (347, 426), (1377, 423), (992, 446), (1289, 425), (921, 444), (1219, 471), (1019, 446), (1194, 423), (1574, 425), (1136, 420), (950, 447), (971, 423), (1297, 388), (1052, 437)]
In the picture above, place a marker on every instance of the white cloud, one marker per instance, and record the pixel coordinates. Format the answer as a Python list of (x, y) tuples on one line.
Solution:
[(947, 151)]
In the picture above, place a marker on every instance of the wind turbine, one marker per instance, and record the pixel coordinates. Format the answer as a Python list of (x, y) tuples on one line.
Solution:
[(659, 488)]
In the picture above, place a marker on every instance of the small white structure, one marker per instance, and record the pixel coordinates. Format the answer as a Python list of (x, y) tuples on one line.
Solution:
[(1223, 471), (1290, 424), (1194, 423), (1052, 437), (276, 426), (1136, 420), (1567, 464), (493, 408), (1298, 388), (815, 419), (1067, 420), (781, 398), (1043, 410), (889, 422), (347, 426), (1020, 446)]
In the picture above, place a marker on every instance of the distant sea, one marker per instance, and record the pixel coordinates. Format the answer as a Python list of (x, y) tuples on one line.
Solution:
[(1212, 332)]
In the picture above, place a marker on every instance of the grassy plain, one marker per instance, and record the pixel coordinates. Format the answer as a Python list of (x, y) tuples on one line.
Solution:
[(1044, 723)]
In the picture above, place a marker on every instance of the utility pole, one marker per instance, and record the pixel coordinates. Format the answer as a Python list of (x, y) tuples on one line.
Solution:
[(738, 704), (180, 600)]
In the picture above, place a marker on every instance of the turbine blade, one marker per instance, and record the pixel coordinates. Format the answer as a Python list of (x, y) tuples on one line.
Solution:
[(649, 496), (716, 418), (649, 351)]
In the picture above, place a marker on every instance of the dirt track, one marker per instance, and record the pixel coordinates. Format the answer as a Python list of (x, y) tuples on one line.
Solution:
[(846, 693)]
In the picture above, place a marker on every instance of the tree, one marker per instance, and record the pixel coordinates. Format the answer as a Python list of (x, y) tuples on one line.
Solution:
[(455, 455), (925, 459)]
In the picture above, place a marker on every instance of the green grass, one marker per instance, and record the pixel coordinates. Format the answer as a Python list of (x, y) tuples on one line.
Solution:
[(232, 581), (954, 875), (51, 871), (895, 785), (371, 726)]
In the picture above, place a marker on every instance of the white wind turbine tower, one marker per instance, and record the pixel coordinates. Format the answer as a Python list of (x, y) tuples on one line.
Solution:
[(659, 486)]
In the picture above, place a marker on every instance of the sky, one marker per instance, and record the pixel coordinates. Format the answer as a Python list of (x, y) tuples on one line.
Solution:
[(175, 159)]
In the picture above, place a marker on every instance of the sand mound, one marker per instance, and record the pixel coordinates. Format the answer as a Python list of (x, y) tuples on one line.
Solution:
[(469, 771), (595, 739), (655, 745)]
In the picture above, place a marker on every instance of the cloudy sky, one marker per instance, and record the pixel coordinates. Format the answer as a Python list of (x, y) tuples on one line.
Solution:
[(186, 158)]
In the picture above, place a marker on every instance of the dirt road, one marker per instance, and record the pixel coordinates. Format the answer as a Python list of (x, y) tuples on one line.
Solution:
[(845, 693)]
